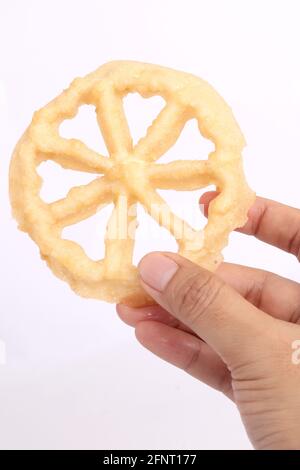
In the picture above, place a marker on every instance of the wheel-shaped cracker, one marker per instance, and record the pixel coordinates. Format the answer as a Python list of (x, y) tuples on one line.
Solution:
[(129, 175)]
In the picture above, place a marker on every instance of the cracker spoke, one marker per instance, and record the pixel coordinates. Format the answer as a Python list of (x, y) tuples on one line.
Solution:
[(119, 238), (181, 175), (81, 202), (186, 237), (113, 123), (162, 134), (74, 155)]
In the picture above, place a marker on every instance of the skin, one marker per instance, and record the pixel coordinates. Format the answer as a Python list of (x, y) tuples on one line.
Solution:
[(234, 330)]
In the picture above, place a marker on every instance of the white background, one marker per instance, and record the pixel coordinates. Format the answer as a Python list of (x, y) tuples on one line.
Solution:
[(75, 376)]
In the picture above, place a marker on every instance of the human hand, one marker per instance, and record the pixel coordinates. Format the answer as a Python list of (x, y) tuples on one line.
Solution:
[(235, 330)]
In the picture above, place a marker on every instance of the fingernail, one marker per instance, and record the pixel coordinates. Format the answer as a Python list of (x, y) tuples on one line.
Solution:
[(157, 270)]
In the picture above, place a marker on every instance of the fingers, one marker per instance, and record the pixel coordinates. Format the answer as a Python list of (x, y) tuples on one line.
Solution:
[(203, 302), (269, 292), (171, 340), (269, 221), (186, 352), (273, 294), (132, 316)]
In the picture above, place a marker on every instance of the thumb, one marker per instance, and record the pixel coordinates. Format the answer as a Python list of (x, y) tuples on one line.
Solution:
[(235, 329)]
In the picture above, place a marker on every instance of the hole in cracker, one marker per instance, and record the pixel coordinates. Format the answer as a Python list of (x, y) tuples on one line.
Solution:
[(84, 127), (141, 112), (185, 204), (57, 181), (90, 233), (190, 145), (152, 237)]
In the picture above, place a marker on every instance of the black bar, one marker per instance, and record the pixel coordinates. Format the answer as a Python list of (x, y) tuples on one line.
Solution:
[(136, 458)]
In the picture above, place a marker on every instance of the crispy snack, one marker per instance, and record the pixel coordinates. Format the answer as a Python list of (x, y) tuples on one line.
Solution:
[(130, 175)]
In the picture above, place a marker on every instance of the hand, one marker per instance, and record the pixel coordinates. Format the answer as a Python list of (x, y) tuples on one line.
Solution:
[(235, 330)]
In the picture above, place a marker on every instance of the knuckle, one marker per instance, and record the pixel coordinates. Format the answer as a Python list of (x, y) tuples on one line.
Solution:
[(193, 362), (197, 295), (294, 244), (254, 293), (224, 384)]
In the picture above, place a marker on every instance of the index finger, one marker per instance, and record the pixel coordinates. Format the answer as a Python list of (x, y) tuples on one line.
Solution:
[(269, 221)]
